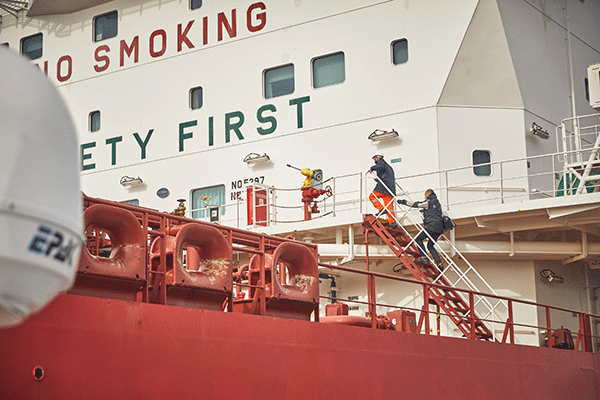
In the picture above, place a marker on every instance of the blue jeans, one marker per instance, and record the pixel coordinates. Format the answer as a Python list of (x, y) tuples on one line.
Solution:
[(430, 244)]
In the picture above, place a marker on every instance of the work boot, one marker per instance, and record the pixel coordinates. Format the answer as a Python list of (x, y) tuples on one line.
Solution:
[(440, 267), (422, 260), (394, 225)]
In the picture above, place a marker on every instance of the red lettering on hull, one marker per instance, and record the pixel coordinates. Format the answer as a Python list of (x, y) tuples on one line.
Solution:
[(256, 20)]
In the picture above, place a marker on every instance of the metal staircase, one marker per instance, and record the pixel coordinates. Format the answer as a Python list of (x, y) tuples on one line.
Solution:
[(581, 147), (447, 298), (469, 313)]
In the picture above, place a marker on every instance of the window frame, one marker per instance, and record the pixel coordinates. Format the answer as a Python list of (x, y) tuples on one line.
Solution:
[(314, 75), (94, 38), (90, 120), (279, 67), (191, 98), (393, 44), (22, 42), (480, 166), (204, 213), (131, 202)]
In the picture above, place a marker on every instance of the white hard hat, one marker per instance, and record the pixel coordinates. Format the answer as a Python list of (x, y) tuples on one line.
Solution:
[(377, 154)]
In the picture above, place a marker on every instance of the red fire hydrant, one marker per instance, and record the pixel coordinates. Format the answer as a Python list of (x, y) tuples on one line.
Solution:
[(309, 195), (309, 192)]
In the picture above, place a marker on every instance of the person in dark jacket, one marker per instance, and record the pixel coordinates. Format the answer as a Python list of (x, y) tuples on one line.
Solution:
[(383, 195), (434, 226)]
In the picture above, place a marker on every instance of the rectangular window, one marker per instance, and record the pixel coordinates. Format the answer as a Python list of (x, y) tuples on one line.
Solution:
[(194, 4), (481, 163), (203, 199), (31, 46), (196, 98), (134, 202), (400, 51), (279, 81), (94, 118), (328, 70), (105, 26)]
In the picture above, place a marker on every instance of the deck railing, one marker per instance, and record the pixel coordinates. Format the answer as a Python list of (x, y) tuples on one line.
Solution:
[(508, 326), (520, 179), (245, 244)]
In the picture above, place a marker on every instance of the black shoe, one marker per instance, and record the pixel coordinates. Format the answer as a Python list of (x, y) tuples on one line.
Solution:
[(440, 267), (422, 260)]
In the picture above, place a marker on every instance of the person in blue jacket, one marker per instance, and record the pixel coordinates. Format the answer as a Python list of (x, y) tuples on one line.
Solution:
[(434, 226)]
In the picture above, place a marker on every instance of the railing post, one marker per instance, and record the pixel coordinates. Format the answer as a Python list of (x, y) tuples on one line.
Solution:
[(550, 341), (370, 284), (501, 183), (585, 333), (447, 191), (360, 193), (145, 296), (262, 275), (237, 211), (253, 206), (372, 303), (274, 205), (163, 262), (333, 196), (472, 314), (512, 325), (553, 177), (438, 320), (426, 307), (509, 326)]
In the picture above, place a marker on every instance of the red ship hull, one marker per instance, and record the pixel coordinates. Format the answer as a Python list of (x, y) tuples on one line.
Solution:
[(94, 348)]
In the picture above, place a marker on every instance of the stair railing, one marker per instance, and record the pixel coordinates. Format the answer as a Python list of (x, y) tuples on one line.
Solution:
[(487, 309)]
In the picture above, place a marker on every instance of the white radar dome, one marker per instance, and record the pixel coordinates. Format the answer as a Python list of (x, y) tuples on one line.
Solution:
[(41, 228)]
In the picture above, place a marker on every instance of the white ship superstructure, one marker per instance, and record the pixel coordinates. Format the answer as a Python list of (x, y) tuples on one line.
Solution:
[(201, 100)]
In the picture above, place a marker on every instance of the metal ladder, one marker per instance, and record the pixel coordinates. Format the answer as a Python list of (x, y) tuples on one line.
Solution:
[(472, 322)]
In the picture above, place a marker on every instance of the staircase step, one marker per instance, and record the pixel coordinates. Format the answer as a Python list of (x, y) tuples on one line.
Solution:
[(430, 273), (453, 298), (479, 327)]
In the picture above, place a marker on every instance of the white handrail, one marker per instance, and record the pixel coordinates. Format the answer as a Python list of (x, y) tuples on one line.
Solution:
[(511, 180)]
